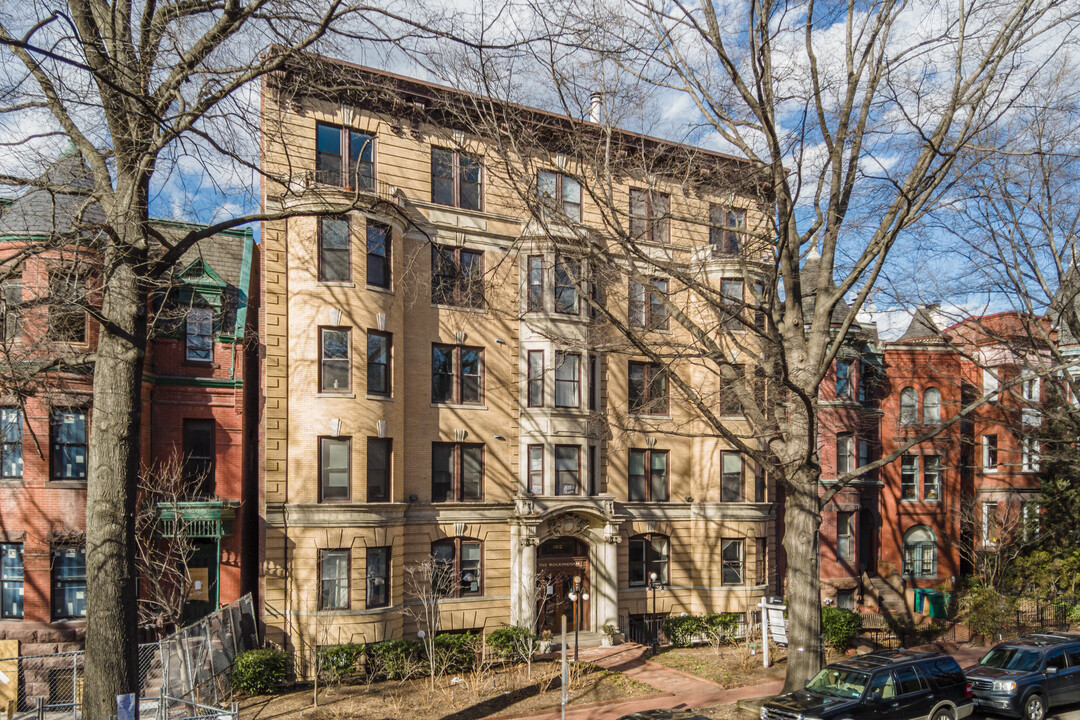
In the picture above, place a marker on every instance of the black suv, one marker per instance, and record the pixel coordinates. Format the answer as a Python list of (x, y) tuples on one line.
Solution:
[(883, 685), (1026, 677)]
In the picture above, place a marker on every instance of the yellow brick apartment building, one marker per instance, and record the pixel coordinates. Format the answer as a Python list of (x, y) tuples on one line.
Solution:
[(438, 383)]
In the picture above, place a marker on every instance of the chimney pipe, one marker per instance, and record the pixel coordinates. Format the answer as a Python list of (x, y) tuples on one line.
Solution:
[(596, 104)]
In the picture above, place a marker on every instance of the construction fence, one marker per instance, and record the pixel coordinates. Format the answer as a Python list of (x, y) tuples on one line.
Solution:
[(185, 675)]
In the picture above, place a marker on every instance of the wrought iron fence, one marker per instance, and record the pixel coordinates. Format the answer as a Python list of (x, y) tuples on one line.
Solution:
[(182, 676)]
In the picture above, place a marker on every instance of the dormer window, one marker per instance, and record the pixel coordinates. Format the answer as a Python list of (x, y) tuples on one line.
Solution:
[(199, 334)]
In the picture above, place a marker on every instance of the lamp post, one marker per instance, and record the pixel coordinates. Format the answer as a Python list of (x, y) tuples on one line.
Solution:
[(576, 593), (654, 585)]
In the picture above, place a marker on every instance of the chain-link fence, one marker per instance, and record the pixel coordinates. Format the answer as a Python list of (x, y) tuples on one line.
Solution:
[(185, 675)]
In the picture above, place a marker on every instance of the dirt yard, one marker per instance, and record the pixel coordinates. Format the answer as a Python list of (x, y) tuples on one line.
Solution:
[(732, 667), (502, 691)]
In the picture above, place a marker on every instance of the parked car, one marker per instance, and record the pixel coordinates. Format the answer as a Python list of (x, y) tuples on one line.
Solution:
[(661, 714), (1026, 677), (883, 685)]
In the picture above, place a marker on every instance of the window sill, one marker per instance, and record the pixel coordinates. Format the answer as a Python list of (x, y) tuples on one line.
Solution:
[(460, 308), (347, 396), (649, 416), (459, 406), (72, 484), (380, 398), (336, 283), (464, 598), (379, 289)]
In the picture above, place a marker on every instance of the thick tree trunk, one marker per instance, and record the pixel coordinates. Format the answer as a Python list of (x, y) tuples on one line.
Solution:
[(802, 524), (111, 602)]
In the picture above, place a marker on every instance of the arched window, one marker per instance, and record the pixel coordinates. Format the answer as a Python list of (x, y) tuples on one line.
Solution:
[(920, 552), (458, 567), (909, 405), (931, 406), (648, 554)]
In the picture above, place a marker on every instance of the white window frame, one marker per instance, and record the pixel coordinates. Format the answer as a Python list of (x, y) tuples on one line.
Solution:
[(1029, 454), (986, 466), (987, 508), (195, 318)]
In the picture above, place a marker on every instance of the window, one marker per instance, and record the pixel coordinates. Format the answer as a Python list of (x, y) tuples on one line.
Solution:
[(334, 143), (648, 215), (909, 477), (654, 314), (989, 523), (725, 240), (561, 192), (759, 483), (731, 560), (457, 277), (1029, 518), (335, 468), (567, 273), (457, 472), (845, 599), (378, 363), (990, 453), (647, 389), (457, 374), (843, 379), (379, 454), (594, 382), (199, 334), (845, 452), (567, 380), (11, 455), (68, 582), (535, 389), (920, 552), (459, 568), (648, 555), (761, 561), (378, 578), (731, 483), (730, 402), (11, 580), (909, 401), (536, 283), (11, 294), (990, 381), (845, 536), (536, 469), (567, 470), (931, 406), (594, 470), (931, 477), (199, 458), (648, 476), (731, 298), (69, 449), (333, 579), (456, 179), (864, 455), (67, 318), (335, 264), (908, 681), (335, 362), (378, 255), (1029, 454), (1029, 389)]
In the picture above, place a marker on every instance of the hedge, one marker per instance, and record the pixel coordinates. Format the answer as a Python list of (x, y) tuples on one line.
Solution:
[(839, 626), (684, 630), (259, 672)]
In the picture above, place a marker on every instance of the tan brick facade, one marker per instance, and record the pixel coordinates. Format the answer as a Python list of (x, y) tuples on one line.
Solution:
[(510, 523)]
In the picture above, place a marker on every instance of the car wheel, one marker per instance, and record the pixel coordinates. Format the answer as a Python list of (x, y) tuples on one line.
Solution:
[(943, 714), (1035, 707)]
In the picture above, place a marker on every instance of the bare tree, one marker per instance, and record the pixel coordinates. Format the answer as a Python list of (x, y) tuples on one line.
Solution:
[(853, 125), (425, 584)]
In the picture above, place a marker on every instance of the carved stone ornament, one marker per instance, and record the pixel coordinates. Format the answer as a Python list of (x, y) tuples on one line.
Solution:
[(568, 524)]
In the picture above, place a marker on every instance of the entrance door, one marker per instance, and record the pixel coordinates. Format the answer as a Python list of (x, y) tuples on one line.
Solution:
[(867, 530), (203, 593), (558, 562)]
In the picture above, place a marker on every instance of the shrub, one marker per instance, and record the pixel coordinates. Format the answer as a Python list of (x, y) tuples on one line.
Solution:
[(394, 659), (683, 630), (508, 642), (986, 610), (259, 672), (337, 661), (839, 626), (1072, 615), (456, 652)]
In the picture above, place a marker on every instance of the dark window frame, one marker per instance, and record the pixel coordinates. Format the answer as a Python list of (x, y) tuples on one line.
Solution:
[(644, 403), (734, 307), (324, 470), (451, 286), (569, 284), (909, 478), (199, 467), (457, 480), (725, 487), (385, 482), (931, 464), (11, 294), (11, 449), (650, 561), (657, 226), (63, 322), (388, 366), (346, 361), (644, 310), (69, 584), (345, 170), (559, 201), (647, 478), (54, 455), (457, 170), (370, 580), (534, 284), (323, 605), (727, 565), (724, 241), (844, 380), (189, 346), (458, 375), (374, 258), (455, 569), (576, 473), (761, 561), (845, 450), (909, 406), (323, 261), (534, 385), (561, 358), (12, 580), (845, 542), (534, 478)]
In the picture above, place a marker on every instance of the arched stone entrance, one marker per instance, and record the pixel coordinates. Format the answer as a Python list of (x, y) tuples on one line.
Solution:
[(558, 561)]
